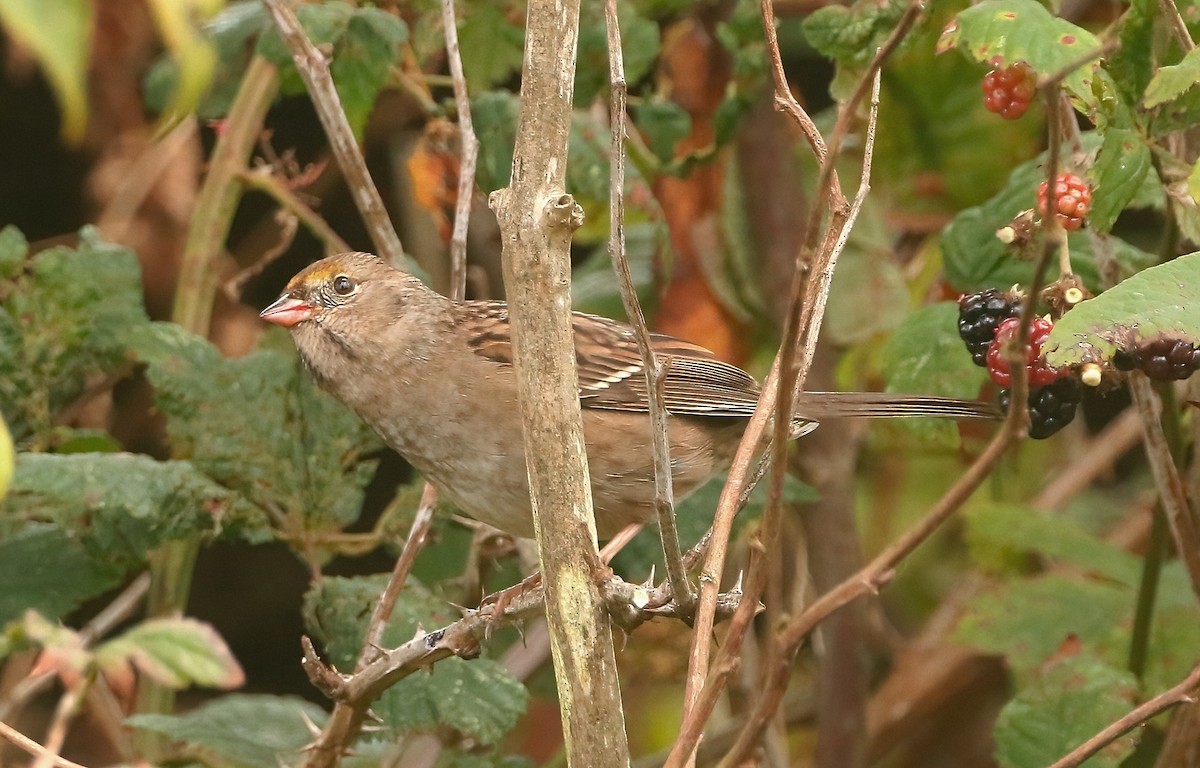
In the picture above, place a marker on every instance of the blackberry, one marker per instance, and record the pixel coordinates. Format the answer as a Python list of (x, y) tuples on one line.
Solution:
[(1039, 372), (1051, 407), (1168, 359), (979, 315)]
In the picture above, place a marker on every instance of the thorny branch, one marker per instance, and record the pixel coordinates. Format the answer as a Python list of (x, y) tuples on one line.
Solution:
[(653, 369)]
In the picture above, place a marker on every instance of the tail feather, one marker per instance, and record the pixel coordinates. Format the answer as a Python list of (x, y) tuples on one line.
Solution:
[(882, 405)]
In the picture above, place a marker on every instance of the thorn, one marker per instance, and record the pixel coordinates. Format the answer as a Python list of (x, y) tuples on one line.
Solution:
[(737, 587), (649, 582), (313, 729)]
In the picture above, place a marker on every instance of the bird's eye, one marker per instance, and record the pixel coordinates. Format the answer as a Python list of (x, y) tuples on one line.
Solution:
[(343, 286)]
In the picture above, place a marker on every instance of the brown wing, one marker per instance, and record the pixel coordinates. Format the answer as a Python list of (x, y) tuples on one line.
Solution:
[(610, 367)]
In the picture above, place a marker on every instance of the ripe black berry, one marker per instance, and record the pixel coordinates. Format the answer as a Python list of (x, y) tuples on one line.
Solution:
[(1070, 203), (979, 315), (1008, 91), (1168, 359), (1051, 407)]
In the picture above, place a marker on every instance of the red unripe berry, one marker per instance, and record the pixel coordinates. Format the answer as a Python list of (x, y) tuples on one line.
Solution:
[(1071, 202), (1039, 373), (1008, 91)]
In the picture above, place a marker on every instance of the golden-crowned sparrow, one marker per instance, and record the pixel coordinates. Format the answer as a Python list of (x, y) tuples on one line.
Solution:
[(435, 378)]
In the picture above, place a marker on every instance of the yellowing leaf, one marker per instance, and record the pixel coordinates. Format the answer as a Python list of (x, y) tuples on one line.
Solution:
[(58, 33)]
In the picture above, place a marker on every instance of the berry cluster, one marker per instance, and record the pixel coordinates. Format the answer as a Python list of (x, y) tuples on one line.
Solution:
[(1051, 407), (1071, 202), (980, 315), (1162, 359), (1008, 91), (987, 323)]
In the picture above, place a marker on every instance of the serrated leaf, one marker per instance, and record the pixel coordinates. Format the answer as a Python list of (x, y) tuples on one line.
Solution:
[(1064, 706), (45, 569), (1119, 173), (869, 295), (492, 47), (1023, 30), (363, 60), (59, 35), (241, 730), (851, 35), (479, 699), (1170, 82), (1161, 300), (175, 652), (1028, 620), (337, 609), (60, 323), (1000, 530), (304, 458), (72, 525), (1132, 63)]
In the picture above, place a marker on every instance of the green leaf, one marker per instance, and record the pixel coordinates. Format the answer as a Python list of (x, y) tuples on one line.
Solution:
[(1170, 82), (324, 23), (974, 258), (639, 49), (926, 356), (13, 249), (1027, 621), (495, 116), (1119, 173), (175, 653), (493, 47), (337, 609), (851, 35), (231, 33), (478, 699), (1160, 301), (664, 124), (998, 531), (59, 35), (45, 569), (363, 60), (60, 323), (241, 730), (304, 457), (1023, 30), (869, 295), (1064, 706), (1132, 63), (120, 505)]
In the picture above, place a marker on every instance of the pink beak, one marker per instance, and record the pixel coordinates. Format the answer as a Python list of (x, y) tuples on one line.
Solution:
[(287, 311)]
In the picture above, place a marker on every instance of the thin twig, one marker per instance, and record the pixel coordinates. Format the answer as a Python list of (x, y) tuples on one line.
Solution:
[(1171, 490), (313, 67), (33, 748), (654, 370), (263, 180), (470, 155), (60, 723), (1184, 693)]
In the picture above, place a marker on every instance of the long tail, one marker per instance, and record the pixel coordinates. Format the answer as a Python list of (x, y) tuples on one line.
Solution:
[(882, 405)]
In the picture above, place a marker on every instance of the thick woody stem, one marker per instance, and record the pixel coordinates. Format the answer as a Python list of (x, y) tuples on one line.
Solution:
[(537, 220)]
